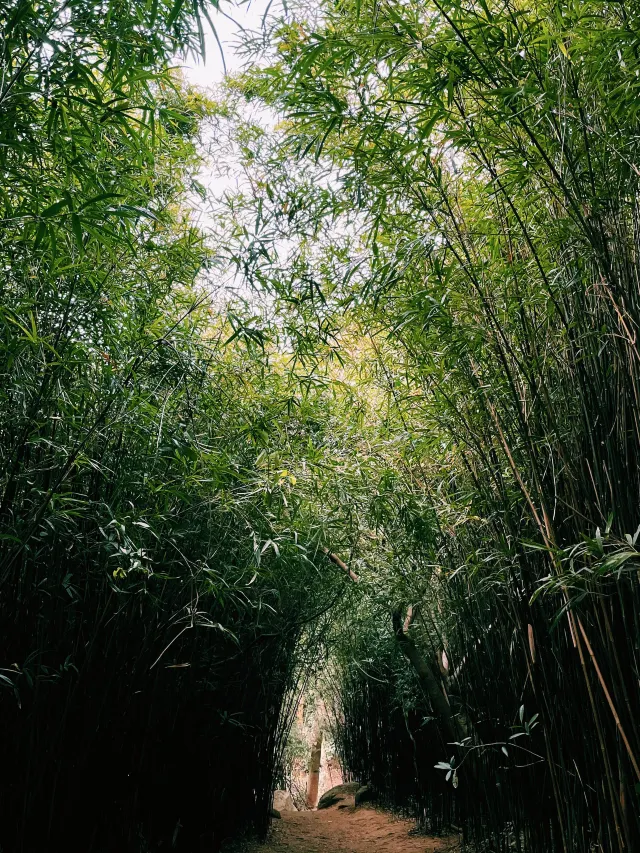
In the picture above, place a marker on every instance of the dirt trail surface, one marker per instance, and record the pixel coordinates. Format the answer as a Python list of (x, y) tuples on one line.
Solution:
[(343, 830)]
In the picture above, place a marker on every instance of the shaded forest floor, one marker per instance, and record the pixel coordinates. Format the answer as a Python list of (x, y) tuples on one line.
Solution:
[(337, 830)]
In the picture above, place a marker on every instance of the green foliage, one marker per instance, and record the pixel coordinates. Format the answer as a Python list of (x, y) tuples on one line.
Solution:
[(464, 185), (159, 561), (434, 375)]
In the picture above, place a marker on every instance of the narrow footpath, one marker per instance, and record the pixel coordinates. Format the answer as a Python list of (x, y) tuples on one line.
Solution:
[(345, 830)]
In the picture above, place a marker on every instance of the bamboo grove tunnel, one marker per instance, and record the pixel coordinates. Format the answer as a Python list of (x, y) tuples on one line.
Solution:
[(319, 426)]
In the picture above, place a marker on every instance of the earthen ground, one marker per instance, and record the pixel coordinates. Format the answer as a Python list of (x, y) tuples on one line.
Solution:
[(336, 830)]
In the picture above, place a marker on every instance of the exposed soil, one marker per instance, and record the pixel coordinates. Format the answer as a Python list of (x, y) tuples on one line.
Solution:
[(344, 830)]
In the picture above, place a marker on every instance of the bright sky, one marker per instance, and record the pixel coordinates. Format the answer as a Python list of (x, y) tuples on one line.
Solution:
[(247, 15), (218, 173)]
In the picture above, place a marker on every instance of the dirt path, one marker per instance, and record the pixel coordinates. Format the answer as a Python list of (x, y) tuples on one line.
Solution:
[(337, 830)]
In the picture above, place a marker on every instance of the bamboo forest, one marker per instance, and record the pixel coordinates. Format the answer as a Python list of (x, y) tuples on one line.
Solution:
[(320, 426)]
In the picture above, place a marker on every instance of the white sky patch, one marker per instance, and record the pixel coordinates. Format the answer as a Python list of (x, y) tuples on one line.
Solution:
[(221, 172), (229, 23)]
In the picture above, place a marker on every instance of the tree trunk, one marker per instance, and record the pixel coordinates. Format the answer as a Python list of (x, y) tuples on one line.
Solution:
[(453, 728), (313, 783)]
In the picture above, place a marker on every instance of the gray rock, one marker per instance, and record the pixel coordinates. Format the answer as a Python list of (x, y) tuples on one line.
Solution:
[(338, 794), (282, 802)]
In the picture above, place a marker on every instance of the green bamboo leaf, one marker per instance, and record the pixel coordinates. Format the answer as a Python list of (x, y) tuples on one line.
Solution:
[(56, 208), (41, 233), (76, 227)]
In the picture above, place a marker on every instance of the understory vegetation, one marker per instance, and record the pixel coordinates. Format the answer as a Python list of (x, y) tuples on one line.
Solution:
[(371, 420)]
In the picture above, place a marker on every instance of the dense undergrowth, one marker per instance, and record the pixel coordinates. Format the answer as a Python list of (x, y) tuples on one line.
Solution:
[(158, 565)]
